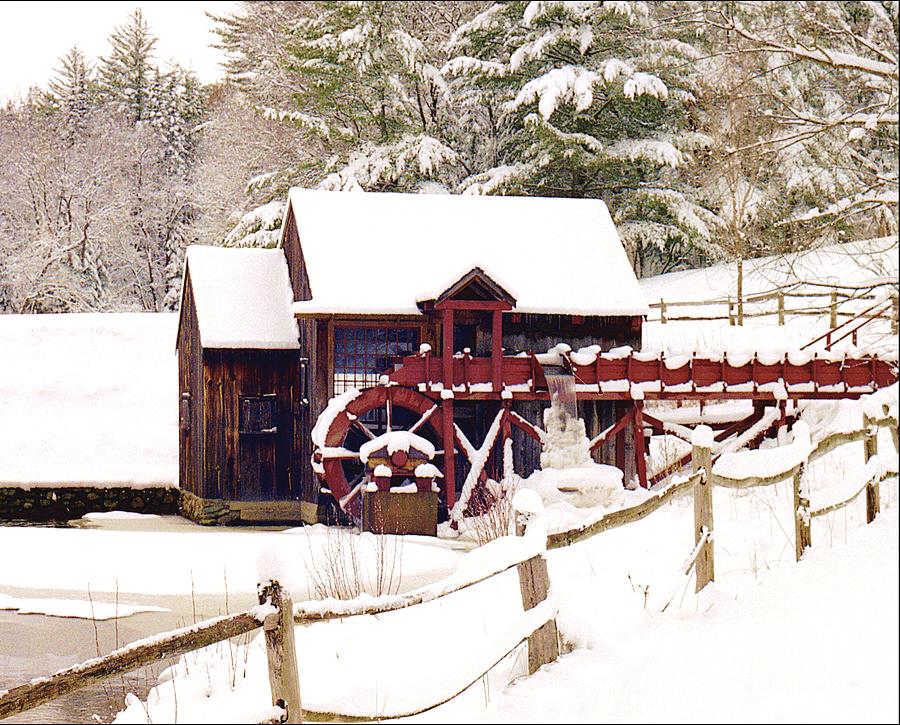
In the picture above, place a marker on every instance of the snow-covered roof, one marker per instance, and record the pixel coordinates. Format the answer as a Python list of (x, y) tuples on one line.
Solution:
[(384, 253), (243, 298)]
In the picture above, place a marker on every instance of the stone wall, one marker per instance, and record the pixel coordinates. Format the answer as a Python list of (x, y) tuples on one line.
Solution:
[(60, 504)]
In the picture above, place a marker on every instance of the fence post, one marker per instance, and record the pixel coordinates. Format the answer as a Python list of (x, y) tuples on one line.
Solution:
[(833, 320), (284, 676), (704, 570), (781, 308), (730, 312), (662, 310), (802, 519), (873, 488), (534, 584), (895, 313)]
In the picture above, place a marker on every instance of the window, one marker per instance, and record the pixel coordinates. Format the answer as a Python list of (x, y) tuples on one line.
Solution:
[(362, 354), (258, 414)]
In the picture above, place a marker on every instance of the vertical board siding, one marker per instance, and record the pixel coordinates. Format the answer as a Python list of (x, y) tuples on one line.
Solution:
[(251, 466), (190, 382)]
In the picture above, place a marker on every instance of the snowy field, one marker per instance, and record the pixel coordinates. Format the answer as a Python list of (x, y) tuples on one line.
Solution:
[(88, 399), (91, 399)]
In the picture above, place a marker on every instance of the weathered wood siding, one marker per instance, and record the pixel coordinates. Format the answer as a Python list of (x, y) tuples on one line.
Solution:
[(190, 396), (290, 243), (538, 333), (247, 466)]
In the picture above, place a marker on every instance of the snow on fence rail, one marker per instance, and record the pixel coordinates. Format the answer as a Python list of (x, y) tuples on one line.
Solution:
[(837, 296), (791, 462), (277, 616)]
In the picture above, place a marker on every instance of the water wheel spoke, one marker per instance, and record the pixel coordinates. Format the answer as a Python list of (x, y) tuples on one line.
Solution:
[(364, 419), (362, 426), (340, 454), (424, 419)]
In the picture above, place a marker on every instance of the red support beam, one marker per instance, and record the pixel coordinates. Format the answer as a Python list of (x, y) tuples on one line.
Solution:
[(613, 430), (524, 425), (447, 347), (449, 457), (620, 439), (480, 305), (640, 453), (497, 349)]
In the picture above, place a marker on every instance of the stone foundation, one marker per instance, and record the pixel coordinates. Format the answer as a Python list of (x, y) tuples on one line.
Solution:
[(64, 503), (205, 511)]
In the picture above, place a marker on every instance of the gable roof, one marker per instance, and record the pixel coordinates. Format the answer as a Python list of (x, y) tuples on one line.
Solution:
[(383, 253), (476, 285), (243, 298)]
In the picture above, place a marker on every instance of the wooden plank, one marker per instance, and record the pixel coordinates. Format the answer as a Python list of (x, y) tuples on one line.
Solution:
[(703, 517), (340, 610), (266, 510), (873, 488), (534, 584), (131, 657), (802, 514), (640, 457), (281, 652)]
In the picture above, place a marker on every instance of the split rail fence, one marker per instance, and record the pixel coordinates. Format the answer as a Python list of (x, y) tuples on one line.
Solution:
[(277, 616), (833, 301)]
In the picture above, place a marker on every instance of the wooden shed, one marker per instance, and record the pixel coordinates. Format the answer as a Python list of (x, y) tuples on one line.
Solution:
[(239, 373), (359, 281)]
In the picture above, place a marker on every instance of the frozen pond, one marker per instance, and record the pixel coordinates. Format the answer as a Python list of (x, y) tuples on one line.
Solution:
[(36, 645), (156, 562)]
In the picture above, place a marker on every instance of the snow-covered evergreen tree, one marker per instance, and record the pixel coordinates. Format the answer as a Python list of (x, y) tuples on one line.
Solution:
[(174, 109), (73, 92), (583, 99), (127, 73)]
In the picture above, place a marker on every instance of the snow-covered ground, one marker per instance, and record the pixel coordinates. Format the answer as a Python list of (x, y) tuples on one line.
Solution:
[(854, 264), (91, 399), (88, 399), (771, 640)]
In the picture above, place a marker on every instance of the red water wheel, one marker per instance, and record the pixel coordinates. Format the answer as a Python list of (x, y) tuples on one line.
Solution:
[(374, 412)]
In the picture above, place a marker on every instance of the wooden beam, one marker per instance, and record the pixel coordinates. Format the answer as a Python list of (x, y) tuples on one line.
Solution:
[(705, 570), (604, 436), (447, 347), (497, 349), (449, 456), (873, 488), (477, 305), (527, 426), (281, 652), (622, 516), (534, 584), (640, 453), (802, 517)]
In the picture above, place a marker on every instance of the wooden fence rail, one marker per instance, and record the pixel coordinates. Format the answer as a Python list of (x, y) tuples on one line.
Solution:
[(277, 616), (835, 295), (125, 659)]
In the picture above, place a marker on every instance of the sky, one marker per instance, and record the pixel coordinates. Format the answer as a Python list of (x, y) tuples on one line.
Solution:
[(33, 36)]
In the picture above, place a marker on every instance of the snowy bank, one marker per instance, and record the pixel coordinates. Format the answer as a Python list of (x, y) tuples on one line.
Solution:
[(88, 400)]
